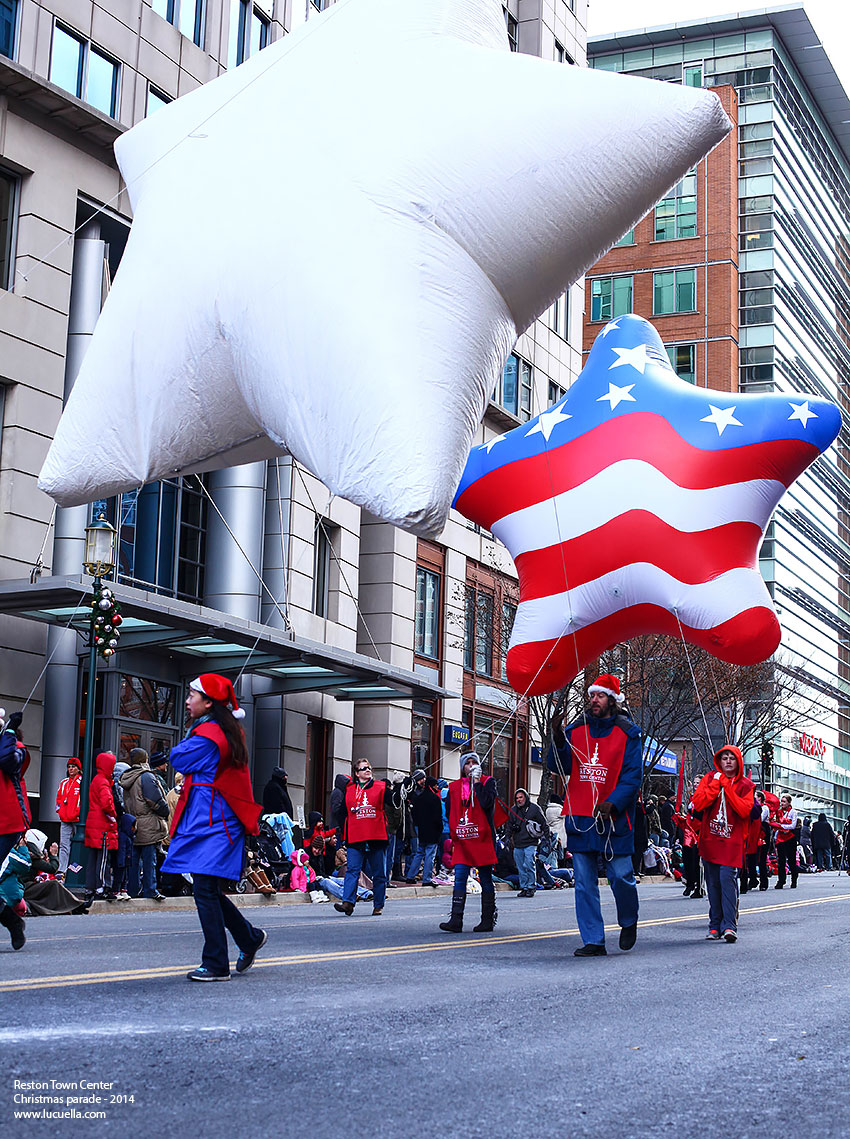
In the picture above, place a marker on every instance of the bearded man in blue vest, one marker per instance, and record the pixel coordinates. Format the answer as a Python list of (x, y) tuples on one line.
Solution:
[(599, 756)]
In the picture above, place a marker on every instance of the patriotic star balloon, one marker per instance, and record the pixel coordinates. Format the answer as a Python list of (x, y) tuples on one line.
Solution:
[(335, 245), (636, 505)]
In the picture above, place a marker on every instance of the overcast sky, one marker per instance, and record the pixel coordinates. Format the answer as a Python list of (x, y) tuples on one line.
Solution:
[(830, 19)]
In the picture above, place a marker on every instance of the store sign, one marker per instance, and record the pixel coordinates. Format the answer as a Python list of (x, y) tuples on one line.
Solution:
[(810, 745), (455, 734)]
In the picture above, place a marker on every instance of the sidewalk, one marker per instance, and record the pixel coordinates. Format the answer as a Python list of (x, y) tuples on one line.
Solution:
[(288, 898)]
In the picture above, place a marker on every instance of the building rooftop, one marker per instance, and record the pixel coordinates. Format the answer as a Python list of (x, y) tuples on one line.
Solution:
[(792, 25)]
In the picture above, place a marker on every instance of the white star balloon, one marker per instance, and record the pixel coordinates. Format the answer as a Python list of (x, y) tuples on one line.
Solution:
[(336, 244)]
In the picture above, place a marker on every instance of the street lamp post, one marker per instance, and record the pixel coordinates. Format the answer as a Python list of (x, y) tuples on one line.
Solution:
[(99, 561)]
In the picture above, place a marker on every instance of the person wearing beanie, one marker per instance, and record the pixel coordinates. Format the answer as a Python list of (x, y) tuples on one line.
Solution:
[(144, 798), (785, 826), (471, 802), (526, 826), (68, 809), (599, 757), (366, 838), (426, 810), (214, 810), (727, 801)]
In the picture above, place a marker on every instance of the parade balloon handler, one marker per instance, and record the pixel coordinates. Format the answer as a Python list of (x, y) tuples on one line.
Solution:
[(365, 830), (15, 816), (599, 757), (471, 802), (215, 809), (726, 797)]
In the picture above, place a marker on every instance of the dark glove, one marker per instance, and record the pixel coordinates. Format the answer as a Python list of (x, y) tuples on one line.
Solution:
[(558, 737), (605, 810), (15, 721)]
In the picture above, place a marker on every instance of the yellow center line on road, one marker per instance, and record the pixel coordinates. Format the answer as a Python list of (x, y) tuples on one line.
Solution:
[(75, 980)]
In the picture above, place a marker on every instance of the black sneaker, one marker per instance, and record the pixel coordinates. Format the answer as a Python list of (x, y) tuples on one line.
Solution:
[(346, 908), (245, 960), (590, 951), (203, 974)]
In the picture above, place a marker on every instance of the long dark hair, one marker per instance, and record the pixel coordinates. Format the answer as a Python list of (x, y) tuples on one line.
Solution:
[(233, 733)]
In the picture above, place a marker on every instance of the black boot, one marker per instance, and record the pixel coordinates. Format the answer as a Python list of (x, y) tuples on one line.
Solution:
[(15, 925), (455, 922), (489, 913)]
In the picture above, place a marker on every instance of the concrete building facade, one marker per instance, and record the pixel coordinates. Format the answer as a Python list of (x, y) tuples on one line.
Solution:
[(263, 546)]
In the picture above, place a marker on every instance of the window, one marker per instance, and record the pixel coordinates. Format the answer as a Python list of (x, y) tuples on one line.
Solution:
[(422, 737), (610, 297), (756, 297), (508, 618), (427, 635), (554, 393), (627, 238), (141, 699), (683, 360), (557, 315), (8, 202), (674, 291), (8, 20), (478, 631), (249, 31), (156, 100), (513, 30), (692, 75), (514, 391), (187, 15), (676, 215), (320, 5), (560, 54), (322, 567), (757, 368), (79, 67)]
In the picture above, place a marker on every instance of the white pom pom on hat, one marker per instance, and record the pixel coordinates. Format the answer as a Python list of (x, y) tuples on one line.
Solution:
[(218, 688)]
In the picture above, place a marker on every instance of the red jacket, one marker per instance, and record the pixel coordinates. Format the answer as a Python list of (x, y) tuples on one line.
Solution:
[(722, 841), (15, 814), (68, 799), (101, 818)]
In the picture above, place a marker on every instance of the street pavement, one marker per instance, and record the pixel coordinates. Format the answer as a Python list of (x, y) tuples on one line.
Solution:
[(364, 1027)]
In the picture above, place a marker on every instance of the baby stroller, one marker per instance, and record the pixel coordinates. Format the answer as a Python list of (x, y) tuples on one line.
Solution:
[(265, 854)]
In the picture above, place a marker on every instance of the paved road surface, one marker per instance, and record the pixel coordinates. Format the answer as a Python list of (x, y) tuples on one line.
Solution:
[(363, 1027)]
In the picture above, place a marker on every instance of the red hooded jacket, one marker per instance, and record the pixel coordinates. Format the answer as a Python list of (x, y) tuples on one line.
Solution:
[(15, 814), (723, 842), (101, 818)]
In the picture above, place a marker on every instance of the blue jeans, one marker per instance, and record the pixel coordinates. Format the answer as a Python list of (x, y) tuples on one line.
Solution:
[(414, 849), (333, 886), (485, 877), (427, 853), (621, 878), (823, 857), (392, 843), (721, 885), (525, 857), (144, 860), (217, 914), (372, 859)]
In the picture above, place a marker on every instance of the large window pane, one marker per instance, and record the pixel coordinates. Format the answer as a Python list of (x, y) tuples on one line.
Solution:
[(8, 186), (469, 629), (102, 83), (510, 384), (427, 613), (484, 633), (8, 16), (674, 292), (66, 62), (610, 297)]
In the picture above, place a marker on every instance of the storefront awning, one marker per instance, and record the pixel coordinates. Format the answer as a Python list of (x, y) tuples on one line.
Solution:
[(207, 640)]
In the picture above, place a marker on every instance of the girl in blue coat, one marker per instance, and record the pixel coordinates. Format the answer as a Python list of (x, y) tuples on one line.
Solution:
[(215, 809)]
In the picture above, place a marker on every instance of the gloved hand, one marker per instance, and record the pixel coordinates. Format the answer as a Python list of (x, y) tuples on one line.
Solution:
[(14, 721), (558, 737), (605, 810)]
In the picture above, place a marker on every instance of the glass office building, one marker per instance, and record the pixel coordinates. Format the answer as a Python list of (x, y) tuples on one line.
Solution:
[(793, 313)]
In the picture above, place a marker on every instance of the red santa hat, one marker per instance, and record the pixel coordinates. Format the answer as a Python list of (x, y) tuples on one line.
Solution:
[(608, 684), (219, 688)]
